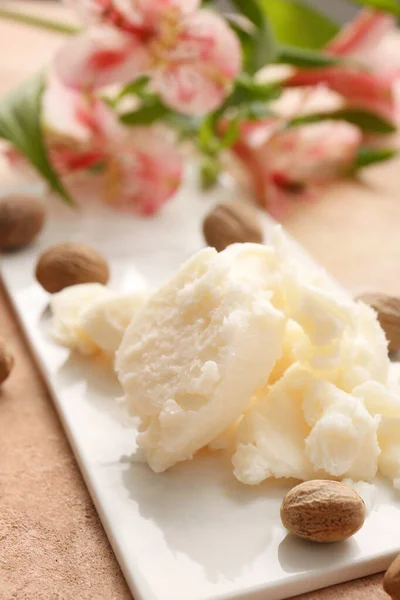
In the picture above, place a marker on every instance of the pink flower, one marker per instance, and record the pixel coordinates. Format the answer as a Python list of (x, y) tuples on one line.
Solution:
[(360, 88), (142, 168), (70, 133), (99, 57), (362, 34), (129, 15), (192, 56), (146, 174), (288, 165)]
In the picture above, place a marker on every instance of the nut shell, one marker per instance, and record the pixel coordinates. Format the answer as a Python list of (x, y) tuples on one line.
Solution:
[(69, 264), (388, 310), (6, 362), (323, 511), (391, 581), (232, 222), (21, 219)]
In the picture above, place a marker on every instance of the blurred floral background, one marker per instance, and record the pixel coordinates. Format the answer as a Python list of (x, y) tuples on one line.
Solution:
[(286, 95)]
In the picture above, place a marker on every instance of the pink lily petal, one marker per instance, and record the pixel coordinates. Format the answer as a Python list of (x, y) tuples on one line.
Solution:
[(69, 160), (131, 15), (362, 34), (360, 88), (290, 165), (145, 173), (346, 81), (75, 128), (120, 14), (63, 110), (272, 190), (194, 74), (253, 136), (151, 11), (314, 153), (100, 57)]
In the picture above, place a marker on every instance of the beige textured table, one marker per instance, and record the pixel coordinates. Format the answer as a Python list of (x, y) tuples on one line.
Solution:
[(52, 545)]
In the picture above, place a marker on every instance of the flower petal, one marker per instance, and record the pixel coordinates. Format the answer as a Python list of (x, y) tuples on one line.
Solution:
[(199, 69), (62, 109), (359, 87), (131, 15), (291, 165), (362, 34), (126, 15), (146, 172), (314, 153), (67, 160), (100, 57), (148, 12)]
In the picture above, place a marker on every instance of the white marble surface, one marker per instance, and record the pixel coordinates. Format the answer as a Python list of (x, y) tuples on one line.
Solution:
[(193, 533)]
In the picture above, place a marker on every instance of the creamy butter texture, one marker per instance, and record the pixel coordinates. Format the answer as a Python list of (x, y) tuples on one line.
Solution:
[(66, 307), (106, 320), (90, 318), (201, 346), (252, 351)]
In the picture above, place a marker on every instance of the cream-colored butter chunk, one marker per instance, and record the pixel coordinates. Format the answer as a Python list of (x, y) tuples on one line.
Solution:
[(66, 307), (198, 350), (384, 403), (343, 440), (305, 427), (271, 436), (106, 320), (364, 352)]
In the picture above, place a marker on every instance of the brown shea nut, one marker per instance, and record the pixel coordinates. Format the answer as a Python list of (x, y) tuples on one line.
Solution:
[(21, 219), (388, 311), (6, 362), (391, 581), (323, 511), (63, 265), (232, 222)]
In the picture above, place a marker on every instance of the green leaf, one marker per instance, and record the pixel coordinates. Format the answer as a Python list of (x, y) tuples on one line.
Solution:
[(210, 171), (137, 88), (208, 140), (306, 59), (231, 133), (249, 90), (252, 10), (261, 50), (298, 24), (364, 119), (259, 47), (187, 127), (256, 110), (20, 124), (151, 111), (369, 156), (390, 6)]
